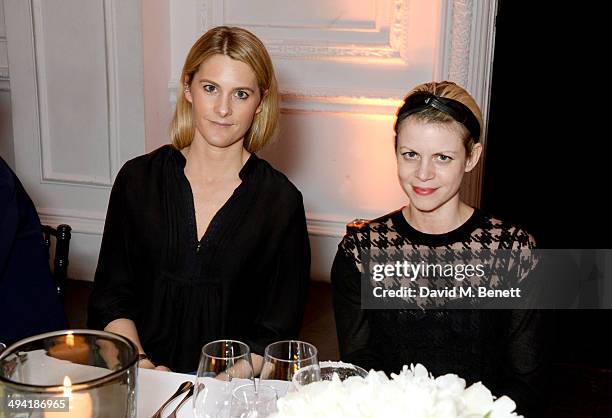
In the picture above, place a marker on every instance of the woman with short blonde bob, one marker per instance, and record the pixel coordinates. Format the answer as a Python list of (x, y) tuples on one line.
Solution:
[(204, 240), (437, 141), (246, 48)]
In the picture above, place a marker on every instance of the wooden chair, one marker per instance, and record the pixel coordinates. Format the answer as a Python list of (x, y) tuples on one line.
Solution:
[(60, 260)]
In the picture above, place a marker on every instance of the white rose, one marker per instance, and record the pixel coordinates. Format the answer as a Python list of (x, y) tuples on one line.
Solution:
[(503, 407), (445, 409), (450, 385), (413, 393), (477, 399)]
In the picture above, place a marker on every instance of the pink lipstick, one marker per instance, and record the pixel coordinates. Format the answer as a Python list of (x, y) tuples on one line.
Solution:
[(424, 191)]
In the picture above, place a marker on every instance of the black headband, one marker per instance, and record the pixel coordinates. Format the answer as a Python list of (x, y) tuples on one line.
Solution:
[(418, 102)]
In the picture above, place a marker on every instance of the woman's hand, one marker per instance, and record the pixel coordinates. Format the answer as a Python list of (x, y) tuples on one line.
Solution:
[(242, 369), (127, 328), (257, 363), (146, 363)]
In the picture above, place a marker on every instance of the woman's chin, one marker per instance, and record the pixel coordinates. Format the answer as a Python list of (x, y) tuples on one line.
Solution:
[(426, 205), (221, 141)]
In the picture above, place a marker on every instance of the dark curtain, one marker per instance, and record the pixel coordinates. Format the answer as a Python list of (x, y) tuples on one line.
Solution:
[(547, 165)]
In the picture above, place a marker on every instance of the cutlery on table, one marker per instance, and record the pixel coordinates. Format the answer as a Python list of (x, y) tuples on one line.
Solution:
[(185, 399), (185, 386)]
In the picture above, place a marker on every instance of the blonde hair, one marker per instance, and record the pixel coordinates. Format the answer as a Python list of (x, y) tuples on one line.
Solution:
[(448, 90), (241, 45)]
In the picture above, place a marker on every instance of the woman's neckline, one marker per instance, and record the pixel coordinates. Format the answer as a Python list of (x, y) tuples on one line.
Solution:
[(459, 234), (244, 172)]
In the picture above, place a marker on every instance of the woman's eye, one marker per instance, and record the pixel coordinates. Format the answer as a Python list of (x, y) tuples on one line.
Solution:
[(209, 88), (444, 158), (410, 155), (241, 94)]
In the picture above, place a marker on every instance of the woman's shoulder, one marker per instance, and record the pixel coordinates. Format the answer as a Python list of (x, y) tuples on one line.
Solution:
[(502, 233), (363, 234), (146, 169), (7, 179), (274, 181), (360, 232), (150, 160)]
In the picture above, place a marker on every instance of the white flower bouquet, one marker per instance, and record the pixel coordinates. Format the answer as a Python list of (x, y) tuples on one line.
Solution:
[(414, 393)]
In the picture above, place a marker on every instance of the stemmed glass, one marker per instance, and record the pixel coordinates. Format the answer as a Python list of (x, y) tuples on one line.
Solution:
[(250, 403), (220, 363), (283, 359)]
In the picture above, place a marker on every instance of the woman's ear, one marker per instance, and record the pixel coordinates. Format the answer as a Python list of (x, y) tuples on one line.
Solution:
[(187, 92), (474, 157)]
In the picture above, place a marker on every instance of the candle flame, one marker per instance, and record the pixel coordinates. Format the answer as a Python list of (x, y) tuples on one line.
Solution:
[(70, 340), (67, 386)]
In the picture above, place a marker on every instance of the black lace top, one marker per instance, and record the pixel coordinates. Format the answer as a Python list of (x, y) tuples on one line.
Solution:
[(501, 348)]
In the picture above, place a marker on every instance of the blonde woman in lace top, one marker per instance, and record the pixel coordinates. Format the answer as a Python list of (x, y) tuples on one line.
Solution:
[(437, 142)]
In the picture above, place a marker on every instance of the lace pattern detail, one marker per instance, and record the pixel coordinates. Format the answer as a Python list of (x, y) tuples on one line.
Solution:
[(391, 238)]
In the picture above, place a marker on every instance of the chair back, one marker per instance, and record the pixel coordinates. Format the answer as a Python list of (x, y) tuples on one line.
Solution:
[(60, 260)]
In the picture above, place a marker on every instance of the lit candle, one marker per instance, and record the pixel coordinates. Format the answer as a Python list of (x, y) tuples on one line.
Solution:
[(74, 349), (79, 404)]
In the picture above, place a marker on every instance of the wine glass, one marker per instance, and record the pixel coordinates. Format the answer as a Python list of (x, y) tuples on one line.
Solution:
[(283, 359), (222, 364), (326, 370), (250, 403)]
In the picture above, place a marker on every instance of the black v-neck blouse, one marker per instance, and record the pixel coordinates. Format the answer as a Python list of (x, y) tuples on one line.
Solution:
[(246, 279)]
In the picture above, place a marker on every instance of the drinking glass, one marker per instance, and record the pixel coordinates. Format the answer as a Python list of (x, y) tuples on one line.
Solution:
[(326, 370), (283, 359), (73, 373), (222, 364), (250, 403), (307, 375)]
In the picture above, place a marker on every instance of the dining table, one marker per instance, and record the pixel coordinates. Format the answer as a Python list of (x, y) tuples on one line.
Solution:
[(154, 387)]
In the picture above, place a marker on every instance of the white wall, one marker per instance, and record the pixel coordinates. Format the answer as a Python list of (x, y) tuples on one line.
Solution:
[(156, 58), (6, 126), (343, 67), (77, 104)]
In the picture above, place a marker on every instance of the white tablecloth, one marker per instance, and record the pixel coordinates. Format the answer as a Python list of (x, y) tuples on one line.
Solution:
[(154, 387)]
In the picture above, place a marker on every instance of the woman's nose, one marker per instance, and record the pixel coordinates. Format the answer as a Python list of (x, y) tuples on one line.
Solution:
[(424, 170), (223, 106)]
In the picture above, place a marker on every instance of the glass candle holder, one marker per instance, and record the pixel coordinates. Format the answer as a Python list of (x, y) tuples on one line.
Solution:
[(71, 373)]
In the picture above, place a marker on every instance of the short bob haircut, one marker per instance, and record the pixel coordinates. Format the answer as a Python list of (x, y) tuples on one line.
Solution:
[(241, 45), (448, 90)]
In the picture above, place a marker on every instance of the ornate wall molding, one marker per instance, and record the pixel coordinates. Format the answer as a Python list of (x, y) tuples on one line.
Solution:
[(463, 56), (49, 173), (325, 225), (466, 46), (467, 59), (461, 29), (91, 223), (281, 49), (210, 13), (88, 60), (5, 84), (4, 69), (113, 93), (292, 102), (202, 14), (398, 36)]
